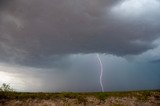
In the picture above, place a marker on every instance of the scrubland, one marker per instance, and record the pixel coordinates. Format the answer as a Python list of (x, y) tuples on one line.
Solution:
[(130, 98)]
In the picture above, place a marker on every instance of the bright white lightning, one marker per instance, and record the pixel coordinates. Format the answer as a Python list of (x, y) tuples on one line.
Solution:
[(101, 71)]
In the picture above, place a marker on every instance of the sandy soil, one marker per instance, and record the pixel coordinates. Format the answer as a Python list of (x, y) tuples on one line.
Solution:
[(91, 101)]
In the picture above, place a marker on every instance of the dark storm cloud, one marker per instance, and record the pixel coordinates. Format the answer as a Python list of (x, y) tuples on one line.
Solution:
[(32, 31), (3, 2), (155, 61)]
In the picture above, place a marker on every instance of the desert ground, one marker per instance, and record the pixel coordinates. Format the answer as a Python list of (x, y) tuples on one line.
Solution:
[(130, 98)]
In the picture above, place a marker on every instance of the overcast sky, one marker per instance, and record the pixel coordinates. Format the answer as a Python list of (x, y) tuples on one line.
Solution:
[(51, 45)]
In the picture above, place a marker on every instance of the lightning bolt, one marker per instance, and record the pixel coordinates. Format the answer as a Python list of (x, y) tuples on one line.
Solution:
[(101, 71)]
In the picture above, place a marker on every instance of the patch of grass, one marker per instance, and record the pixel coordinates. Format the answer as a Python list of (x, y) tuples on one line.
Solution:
[(70, 95), (144, 95), (101, 96), (81, 99)]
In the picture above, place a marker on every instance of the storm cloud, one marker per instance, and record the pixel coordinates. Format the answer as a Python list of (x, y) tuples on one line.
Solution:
[(39, 28)]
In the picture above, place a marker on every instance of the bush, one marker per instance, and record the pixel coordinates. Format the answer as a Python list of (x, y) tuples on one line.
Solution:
[(6, 88), (101, 96)]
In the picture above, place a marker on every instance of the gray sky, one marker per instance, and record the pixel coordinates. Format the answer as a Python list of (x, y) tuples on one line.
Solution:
[(51, 45)]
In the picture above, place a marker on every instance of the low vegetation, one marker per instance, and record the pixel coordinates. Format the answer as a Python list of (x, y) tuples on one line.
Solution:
[(7, 93), (141, 95)]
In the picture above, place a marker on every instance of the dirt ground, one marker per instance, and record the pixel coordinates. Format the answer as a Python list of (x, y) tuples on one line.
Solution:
[(91, 101)]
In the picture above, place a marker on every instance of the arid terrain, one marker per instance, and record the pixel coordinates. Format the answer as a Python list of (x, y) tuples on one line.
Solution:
[(131, 98)]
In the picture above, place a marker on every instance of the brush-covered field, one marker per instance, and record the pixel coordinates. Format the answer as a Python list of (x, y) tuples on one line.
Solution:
[(130, 98)]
